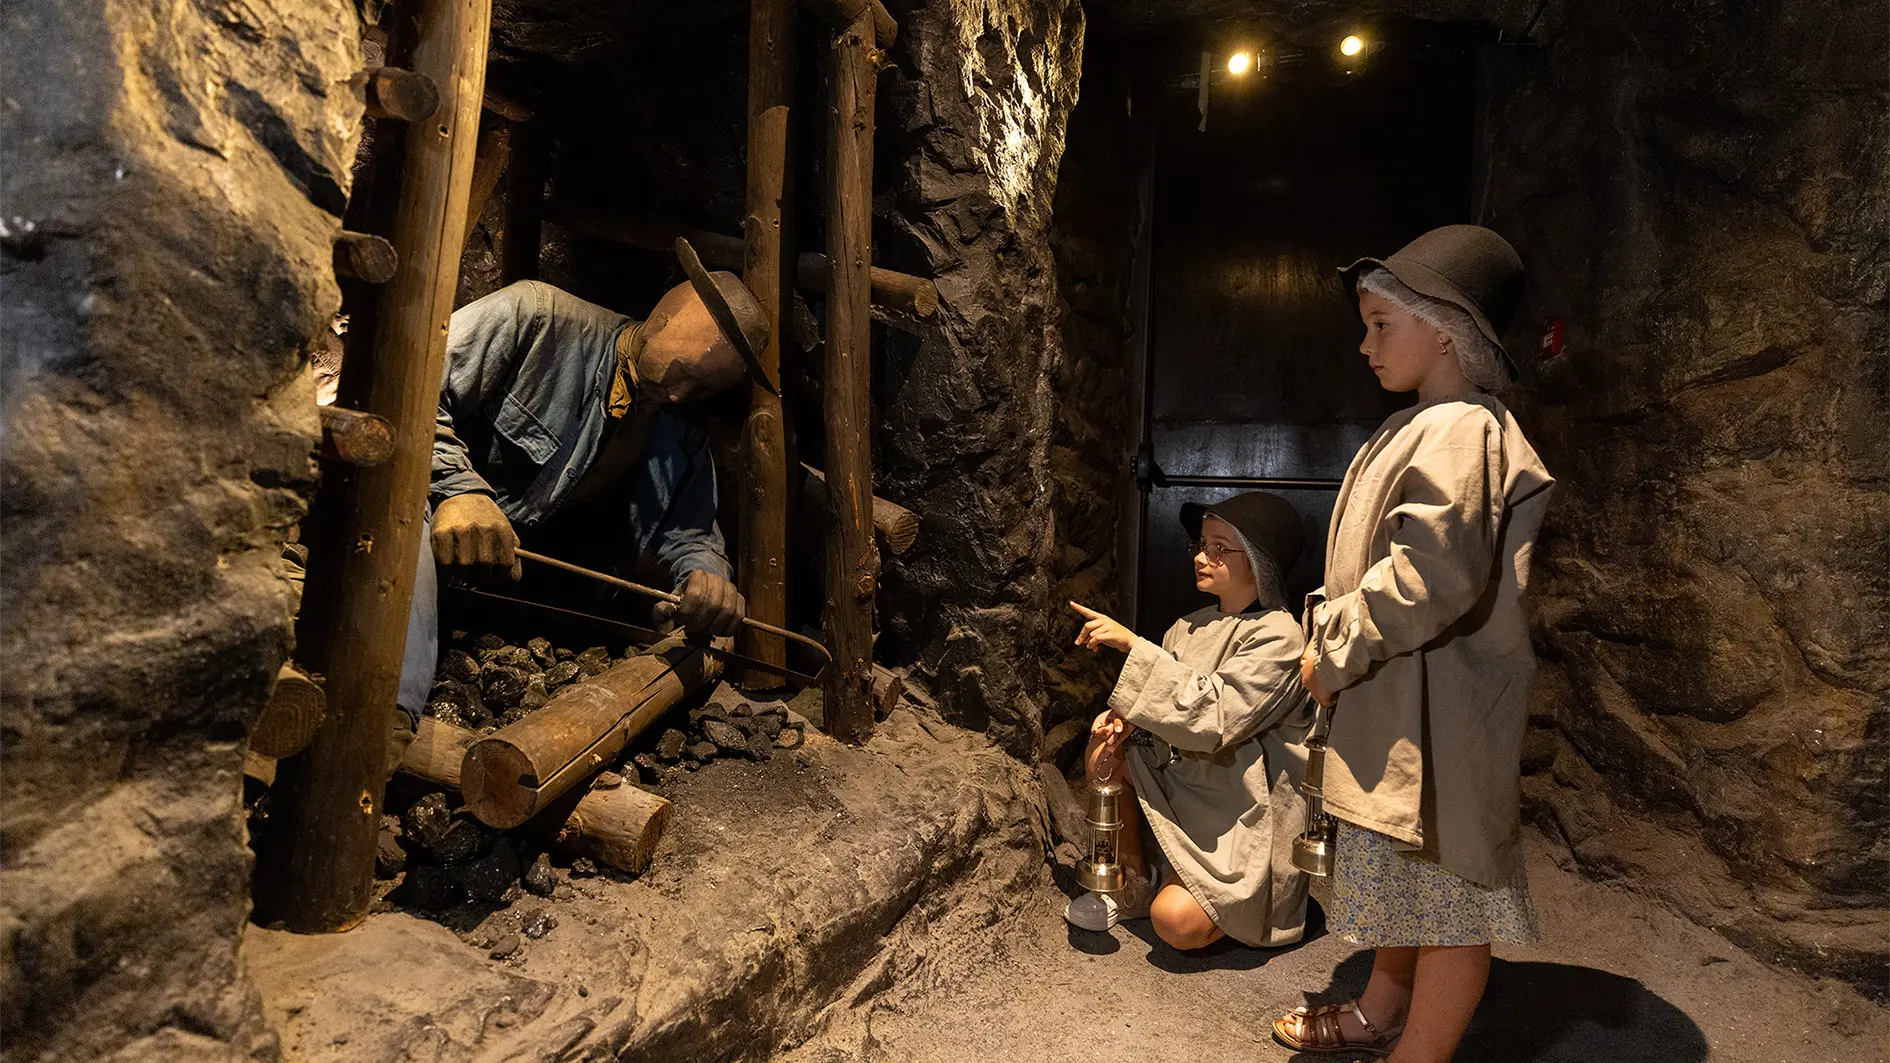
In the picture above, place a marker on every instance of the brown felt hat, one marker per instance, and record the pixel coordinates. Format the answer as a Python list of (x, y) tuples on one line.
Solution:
[(735, 309), (1468, 266), (1269, 522)]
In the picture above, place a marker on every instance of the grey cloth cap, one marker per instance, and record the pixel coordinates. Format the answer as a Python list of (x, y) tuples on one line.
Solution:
[(1465, 265)]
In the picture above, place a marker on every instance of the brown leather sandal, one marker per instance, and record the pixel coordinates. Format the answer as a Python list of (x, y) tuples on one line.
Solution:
[(1318, 1030)]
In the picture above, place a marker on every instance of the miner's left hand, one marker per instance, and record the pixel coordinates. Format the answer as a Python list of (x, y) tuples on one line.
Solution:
[(1309, 678), (710, 605)]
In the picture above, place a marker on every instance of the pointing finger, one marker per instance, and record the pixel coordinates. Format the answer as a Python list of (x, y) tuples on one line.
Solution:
[(1086, 611)]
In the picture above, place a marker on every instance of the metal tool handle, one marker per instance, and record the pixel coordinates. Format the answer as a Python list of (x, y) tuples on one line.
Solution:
[(665, 596)]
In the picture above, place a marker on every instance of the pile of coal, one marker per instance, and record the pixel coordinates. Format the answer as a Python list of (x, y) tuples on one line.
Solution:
[(445, 857), (726, 725), (485, 683)]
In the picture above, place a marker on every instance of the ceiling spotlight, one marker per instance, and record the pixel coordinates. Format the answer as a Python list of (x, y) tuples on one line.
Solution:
[(1352, 45), (1240, 62)]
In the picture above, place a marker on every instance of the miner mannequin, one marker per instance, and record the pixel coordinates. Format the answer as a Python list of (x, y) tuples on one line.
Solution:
[(557, 424)]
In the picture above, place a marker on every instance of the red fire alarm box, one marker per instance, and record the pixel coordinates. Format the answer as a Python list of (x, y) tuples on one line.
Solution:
[(1551, 344)]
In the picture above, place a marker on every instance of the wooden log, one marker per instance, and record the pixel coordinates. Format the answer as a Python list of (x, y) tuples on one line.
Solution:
[(507, 108), (765, 269), (437, 752), (894, 526), (618, 826), (522, 238), (513, 774), (260, 768), (489, 160), (295, 711), (901, 291), (843, 13), (355, 438), (888, 686), (365, 257), (406, 95), (317, 871), (852, 563)]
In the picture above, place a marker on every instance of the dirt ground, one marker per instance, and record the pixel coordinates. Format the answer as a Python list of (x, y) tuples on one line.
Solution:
[(1613, 980)]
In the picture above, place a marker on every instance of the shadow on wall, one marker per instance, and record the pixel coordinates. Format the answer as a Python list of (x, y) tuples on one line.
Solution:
[(1600, 1016)]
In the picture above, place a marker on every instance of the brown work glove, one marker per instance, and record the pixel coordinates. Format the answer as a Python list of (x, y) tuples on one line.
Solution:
[(470, 529), (710, 605)]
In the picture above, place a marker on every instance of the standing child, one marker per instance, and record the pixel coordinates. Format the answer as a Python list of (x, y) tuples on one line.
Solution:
[(1420, 636), (1222, 700)]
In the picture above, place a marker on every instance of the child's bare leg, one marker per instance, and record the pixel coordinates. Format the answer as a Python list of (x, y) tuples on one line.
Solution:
[(1449, 984), (1129, 839), (1181, 921), (1387, 997)]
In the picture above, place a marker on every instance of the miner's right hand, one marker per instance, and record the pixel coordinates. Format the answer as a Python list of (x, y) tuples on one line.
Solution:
[(470, 529)]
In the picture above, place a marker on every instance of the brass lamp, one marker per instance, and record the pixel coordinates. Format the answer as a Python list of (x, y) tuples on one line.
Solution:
[(1313, 849), (1102, 871)]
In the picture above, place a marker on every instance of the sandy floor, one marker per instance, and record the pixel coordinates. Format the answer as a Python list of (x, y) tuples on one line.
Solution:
[(1613, 981)]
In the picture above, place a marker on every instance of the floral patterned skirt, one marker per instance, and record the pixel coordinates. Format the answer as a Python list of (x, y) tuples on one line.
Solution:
[(1383, 898)]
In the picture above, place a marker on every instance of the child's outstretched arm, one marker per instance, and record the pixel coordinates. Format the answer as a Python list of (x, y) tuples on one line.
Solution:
[(1256, 688), (1446, 526)]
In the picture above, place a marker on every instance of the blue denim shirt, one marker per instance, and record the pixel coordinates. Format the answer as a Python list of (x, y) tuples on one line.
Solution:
[(522, 418)]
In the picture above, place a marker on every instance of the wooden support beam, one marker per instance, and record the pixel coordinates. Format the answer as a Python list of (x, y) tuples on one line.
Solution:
[(495, 148), (437, 752), (355, 438), (317, 871), (900, 291), (365, 257), (615, 825), (852, 563), (842, 14), (506, 107), (522, 239), (295, 711), (512, 775), (405, 95), (765, 269), (894, 526)]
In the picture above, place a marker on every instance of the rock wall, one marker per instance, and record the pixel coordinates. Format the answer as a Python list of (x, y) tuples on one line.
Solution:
[(175, 178), (973, 112), (1700, 195)]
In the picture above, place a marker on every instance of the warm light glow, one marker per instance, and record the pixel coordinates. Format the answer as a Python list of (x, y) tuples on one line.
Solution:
[(1352, 45), (1239, 62)]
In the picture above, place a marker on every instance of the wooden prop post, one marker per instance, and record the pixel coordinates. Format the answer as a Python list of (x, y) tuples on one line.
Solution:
[(512, 775), (765, 268), (318, 870), (852, 563), (895, 526)]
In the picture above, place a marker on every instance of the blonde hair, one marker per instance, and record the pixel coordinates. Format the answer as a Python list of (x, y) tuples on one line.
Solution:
[(1482, 361)]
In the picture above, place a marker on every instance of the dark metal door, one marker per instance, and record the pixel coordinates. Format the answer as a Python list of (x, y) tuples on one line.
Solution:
[(1254, 380)]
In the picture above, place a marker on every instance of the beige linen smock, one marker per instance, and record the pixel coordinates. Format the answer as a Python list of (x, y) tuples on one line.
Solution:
[(1421, 627), (1219, 788)]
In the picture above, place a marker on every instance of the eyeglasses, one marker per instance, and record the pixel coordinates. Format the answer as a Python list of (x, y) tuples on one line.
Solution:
[(1214, 551)]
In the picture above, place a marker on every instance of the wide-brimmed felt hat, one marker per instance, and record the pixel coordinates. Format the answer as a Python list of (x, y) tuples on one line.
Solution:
[(1268, 522), (1468, 266), (735, 309)]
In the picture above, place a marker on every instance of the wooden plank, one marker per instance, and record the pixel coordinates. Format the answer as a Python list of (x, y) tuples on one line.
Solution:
[(917, 296), (852, 563), (317, 871), (765, 268), (510, 776)]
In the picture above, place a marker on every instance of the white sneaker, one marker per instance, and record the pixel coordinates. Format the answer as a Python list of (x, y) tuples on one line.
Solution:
[(1097, 912)]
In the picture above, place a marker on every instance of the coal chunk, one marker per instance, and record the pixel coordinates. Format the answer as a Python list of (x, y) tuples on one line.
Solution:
[(594, 661), (724, 734), (561, 673), (760, 747), (506, 947), (647, 768), (429, 888), (460, 665), (462, 842), (517, 657), (704, 751), (488, 642), (492, 876), (583, 867), (670, 745), (541, 651), (390, 857), (535, 694), (538, 877), (427, 821), (538, 923), (503, 686), (564, 654), (457, 702)]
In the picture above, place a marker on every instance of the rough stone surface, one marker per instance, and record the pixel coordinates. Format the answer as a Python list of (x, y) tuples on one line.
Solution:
[(174, 181), (832, 868)]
